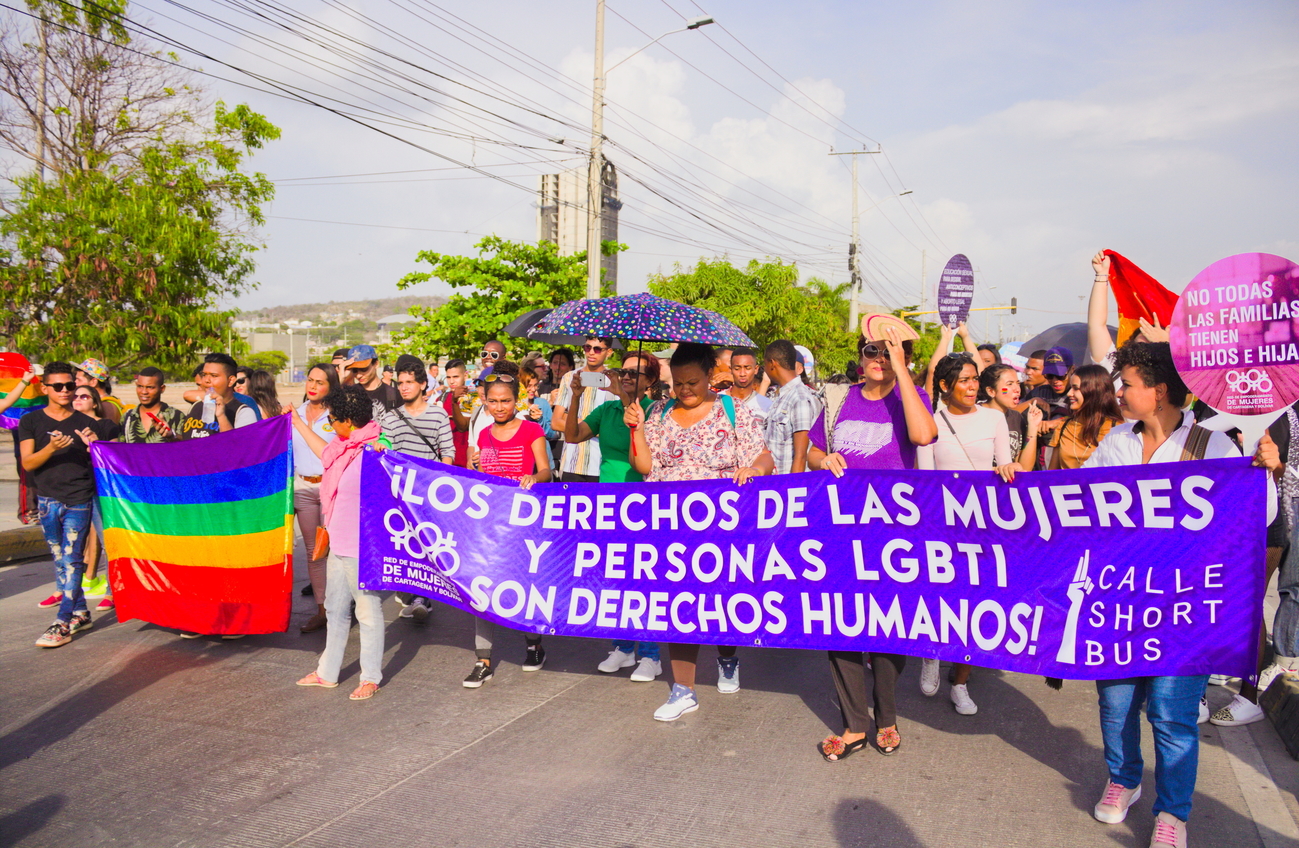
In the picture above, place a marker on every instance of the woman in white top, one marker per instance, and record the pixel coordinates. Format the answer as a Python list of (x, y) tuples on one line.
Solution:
[(970, 438), (322, 378)]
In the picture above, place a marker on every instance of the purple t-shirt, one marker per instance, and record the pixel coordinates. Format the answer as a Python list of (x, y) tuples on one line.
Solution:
[(871, 434)]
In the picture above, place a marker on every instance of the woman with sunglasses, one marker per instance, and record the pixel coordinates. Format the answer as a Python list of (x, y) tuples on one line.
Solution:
[(514, 448), (698, 436), (970, 438), (352, 415), (86, 400), (606, 422), (312, 430), (880, 424)]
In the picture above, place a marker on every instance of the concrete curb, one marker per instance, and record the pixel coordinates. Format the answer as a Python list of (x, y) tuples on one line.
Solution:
[(22, 543)]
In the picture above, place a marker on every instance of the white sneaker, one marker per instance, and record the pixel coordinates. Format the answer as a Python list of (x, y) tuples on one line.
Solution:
[(1113, 806), (728, 675), (646, 670), (1240, 711), (419, 610), (1204, 711), (929, 677), (407, 610), (617, 660), (1220, 679), (1272, 672), (681, 701), (962, 701)]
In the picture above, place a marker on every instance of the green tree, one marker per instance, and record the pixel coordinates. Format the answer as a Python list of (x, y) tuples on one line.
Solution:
[(273, 361), (142, 225), (765, 300), (505, 280)]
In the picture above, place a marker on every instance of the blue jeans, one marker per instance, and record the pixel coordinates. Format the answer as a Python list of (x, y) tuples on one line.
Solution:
[(648, 650), (342, 588), (1172, 706), (65, 529)]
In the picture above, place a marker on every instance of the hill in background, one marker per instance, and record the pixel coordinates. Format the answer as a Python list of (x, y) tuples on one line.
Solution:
[(339, 311)]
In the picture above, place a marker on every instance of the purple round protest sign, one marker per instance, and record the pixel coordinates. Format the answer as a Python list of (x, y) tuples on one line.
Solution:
[(955, 291), (1235, 334)]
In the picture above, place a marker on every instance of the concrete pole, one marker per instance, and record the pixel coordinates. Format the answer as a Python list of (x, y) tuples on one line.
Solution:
[(594, 182), (855, 263)]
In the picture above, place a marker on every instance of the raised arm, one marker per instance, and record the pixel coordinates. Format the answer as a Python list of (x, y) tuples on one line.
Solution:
[(1099, 343), (946, 334), (575, 429), (17, 392), (313, 439), (920, 421)]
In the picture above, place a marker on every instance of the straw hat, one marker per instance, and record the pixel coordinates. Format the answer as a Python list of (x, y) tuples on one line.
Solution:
[(873, 325)]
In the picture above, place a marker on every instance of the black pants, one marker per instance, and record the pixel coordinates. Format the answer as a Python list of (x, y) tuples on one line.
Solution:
[(849, 674), (569, 477)]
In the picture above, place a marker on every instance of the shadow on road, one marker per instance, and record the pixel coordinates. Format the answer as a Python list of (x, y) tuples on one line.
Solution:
[(21, 823)]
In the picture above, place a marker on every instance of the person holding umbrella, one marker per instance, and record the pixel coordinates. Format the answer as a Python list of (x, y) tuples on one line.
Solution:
[(698, 436)]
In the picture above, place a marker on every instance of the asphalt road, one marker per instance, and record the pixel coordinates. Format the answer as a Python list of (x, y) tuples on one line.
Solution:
[(131, 736)]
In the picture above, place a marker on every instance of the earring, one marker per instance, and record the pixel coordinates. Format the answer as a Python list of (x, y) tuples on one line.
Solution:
[(1159, 407)]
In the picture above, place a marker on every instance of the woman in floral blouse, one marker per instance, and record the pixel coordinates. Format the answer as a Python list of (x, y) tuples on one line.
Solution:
[(696, 436)]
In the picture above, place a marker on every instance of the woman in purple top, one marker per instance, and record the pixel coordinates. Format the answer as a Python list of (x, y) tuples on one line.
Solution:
[(879, 426)]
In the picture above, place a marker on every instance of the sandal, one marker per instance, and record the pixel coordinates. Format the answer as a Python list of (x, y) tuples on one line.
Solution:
[(364, 692), (833, 748), (887, 740), (314, 679)]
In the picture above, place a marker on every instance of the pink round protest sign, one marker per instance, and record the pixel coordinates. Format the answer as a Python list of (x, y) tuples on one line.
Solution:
[(1235, 334)]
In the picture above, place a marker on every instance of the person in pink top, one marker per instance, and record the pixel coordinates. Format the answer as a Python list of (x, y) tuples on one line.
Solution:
[(970, 438), (351, 413), (514, 448)]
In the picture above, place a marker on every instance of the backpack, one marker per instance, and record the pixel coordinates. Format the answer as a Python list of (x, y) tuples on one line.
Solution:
[(835, 396), (1197, 442)]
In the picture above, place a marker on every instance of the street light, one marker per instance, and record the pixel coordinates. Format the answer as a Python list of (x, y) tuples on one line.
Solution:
[(595, 175)]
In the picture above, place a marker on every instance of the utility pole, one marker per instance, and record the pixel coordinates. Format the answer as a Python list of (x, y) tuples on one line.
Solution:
[(854, 248), (40, 97), (924, 269), (595, 175)]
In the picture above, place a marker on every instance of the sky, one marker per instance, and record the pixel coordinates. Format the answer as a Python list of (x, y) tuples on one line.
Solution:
[(1031, 135)]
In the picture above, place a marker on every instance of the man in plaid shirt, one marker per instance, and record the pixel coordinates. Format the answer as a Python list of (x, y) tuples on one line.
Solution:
[(794, 411)]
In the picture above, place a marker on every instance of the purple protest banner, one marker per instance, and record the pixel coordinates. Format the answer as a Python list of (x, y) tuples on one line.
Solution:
[(955, 291), (1090, 574), (1235, 334)]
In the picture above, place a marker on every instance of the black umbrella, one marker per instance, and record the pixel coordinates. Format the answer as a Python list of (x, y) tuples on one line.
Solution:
[(1071, 336), (519, 327)]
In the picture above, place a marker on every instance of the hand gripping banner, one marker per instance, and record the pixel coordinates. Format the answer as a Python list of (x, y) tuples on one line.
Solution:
[(1090, 574)]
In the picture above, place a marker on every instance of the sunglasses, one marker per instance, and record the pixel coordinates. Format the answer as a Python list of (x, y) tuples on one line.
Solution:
[(82, 397), (241, 381), (626, 372), (490, 354), (594, 348), (493, 378), (62, 387), (872, 350)]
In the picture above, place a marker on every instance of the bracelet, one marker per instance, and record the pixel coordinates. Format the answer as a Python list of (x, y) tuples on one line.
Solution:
[(1102, 279)]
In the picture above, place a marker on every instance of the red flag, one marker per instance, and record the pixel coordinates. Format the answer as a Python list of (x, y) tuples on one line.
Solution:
[(1138, 296)]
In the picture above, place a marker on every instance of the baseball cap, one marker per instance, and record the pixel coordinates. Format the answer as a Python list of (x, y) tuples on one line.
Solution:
[(94, 368), (873, 325), (362, 354), (1058, 362)]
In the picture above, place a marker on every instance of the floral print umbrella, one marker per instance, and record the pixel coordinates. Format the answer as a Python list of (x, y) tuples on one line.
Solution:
[(641, 317)]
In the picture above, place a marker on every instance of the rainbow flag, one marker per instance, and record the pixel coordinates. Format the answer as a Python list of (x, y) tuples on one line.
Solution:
[(12, 368), (199, 533)]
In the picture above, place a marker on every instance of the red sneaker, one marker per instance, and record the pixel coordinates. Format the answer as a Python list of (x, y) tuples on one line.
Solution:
[(51, 601), (105, 604)]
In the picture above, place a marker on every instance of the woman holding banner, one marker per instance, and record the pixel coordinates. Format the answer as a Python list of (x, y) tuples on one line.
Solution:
[(351, 413), (698, 436), (1151, 397), (308, 442), (970, 438), (879, 424)]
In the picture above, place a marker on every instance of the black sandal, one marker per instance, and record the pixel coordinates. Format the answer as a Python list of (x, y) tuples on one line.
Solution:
[(838, 749)]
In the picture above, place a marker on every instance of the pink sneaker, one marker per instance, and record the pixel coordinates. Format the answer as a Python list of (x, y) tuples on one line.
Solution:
[(51, 601), (1170, 832), (1113, 805), (105, 604)]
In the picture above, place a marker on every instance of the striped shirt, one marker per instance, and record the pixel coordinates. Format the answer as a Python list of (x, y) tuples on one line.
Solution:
[(403, 432), (512, 458), (583, 458)]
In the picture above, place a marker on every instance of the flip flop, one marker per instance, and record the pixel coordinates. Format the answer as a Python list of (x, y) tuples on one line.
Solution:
[(882, 737), (364, 692), (314, 679)]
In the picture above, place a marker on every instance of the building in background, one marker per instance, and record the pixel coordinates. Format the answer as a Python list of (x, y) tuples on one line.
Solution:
[(389, 323), (562, 214)]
